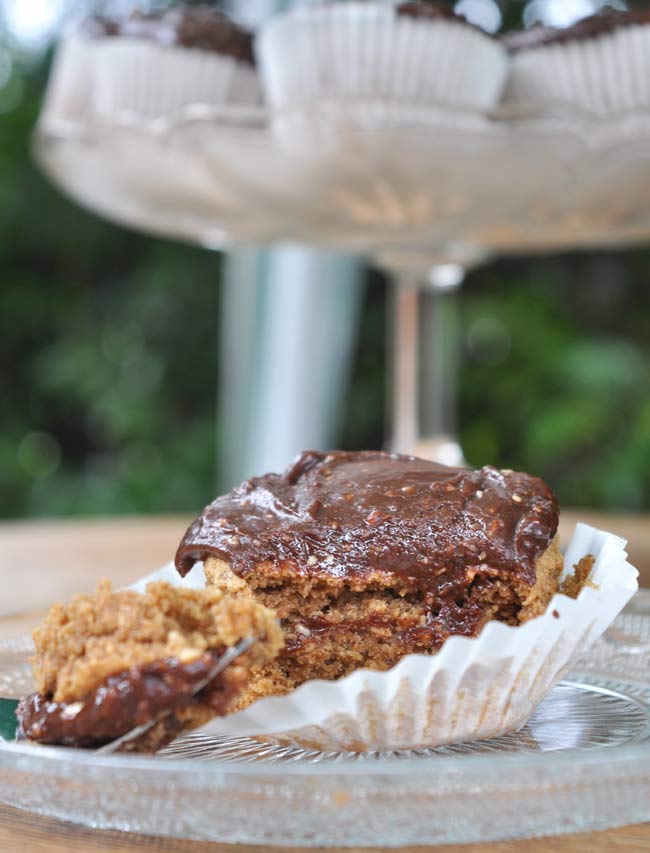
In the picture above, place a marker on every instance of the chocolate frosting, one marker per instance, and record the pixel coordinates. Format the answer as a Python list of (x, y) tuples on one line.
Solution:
[(591, 27), (431, 11), (125, 700), (193, 27), (436, 12), (359, 517)]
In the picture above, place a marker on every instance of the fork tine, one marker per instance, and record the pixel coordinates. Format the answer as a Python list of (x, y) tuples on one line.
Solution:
[(224, 661)]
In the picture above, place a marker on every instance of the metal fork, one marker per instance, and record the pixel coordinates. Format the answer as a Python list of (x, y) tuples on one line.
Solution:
[(224, 661), (8, 706)]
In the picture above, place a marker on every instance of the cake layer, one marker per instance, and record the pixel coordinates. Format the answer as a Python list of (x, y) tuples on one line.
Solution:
[(82, 643), (331, 631)]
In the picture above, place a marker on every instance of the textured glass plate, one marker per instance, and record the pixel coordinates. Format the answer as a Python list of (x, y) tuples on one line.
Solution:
[(582, 762)]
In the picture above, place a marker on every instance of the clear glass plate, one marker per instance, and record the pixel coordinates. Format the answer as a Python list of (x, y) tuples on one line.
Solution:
[(582, 762)]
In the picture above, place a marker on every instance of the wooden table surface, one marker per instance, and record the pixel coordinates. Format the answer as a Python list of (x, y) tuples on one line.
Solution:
[(45, 561)]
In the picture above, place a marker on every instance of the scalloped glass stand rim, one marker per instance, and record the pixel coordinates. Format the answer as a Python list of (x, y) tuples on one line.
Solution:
[(560, 179)]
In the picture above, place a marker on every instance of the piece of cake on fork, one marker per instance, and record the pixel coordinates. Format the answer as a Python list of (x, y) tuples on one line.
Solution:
[(108, 662)]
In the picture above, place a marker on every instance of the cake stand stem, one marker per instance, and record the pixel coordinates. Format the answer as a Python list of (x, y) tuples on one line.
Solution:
[(425, 350), (404, 381)]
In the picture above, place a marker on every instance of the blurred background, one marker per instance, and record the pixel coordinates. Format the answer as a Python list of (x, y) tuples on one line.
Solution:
[(142, 375)]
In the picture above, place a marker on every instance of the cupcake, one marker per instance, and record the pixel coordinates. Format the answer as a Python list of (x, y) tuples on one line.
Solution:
[(369, 557), (108, 662), (600, 65), (421, 605), (156, 65), (395, 54)]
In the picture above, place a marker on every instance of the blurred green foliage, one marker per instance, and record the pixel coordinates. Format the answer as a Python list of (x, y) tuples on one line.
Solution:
[(108, 360), (556, 376), (108, 352)]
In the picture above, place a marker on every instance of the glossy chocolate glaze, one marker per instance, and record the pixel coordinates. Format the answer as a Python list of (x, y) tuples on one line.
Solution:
[(435, 12), (372, 518), (193, 27), (125, 700), (587, 28), (430, 11)]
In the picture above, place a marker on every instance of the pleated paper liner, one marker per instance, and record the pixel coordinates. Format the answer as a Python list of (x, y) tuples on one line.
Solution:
[(600, 75), (367, 50), (134, 77), (69, 93), (473, 688)]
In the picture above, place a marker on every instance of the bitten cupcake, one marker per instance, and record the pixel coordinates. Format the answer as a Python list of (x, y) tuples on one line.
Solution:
[(420, 604), (156, 65), (407, 53), (600, 64), (367, 557)]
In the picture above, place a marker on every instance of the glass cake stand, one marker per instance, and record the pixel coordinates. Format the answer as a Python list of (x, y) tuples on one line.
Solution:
[(581, 763), (423, 193)]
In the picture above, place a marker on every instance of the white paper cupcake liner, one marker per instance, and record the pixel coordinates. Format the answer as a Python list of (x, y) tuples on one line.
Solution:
[(69, 93), (473, 688), (135, 78), (609, 73), (357, 50)]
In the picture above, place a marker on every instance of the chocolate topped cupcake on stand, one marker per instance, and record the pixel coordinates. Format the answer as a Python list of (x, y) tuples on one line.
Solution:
[(153, 66), (599, 66), (159, 64), (375, 62)]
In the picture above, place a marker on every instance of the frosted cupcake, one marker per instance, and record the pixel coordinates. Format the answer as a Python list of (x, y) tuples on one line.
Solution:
[(407, 53), (156, 65), (420, 604), (600, 64)]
